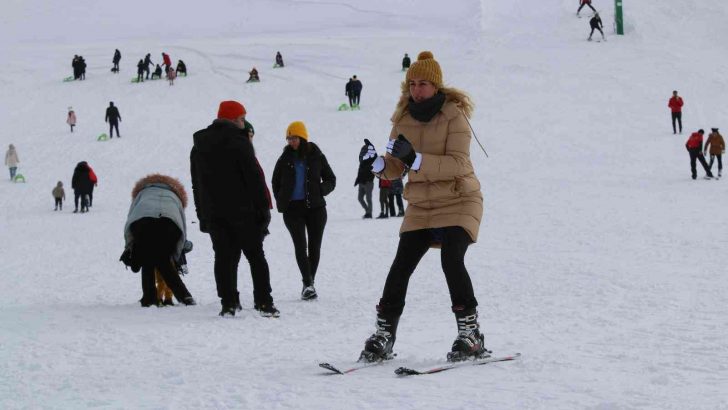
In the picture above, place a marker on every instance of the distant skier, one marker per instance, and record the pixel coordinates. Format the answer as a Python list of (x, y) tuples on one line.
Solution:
[(583, 3), (59, 195), (113, 117), (140, 71), (356, 87), (279, 59), (181, 68), (117, 58), (596, 24), (157, 72), (254, 78), (694, 145), (406, 62), (717, 148), (71, 119), (676, 103), (147, 63)]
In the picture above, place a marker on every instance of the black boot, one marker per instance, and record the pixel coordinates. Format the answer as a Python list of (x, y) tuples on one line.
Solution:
[(379, 345), (470, 342)]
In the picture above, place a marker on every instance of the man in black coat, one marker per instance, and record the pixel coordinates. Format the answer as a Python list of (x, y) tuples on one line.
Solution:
[(82, 186), (117, 58), (349, 93), (147, 63), (232, 206), (356, 87), (113, 118), (365, 177), (406, 62)]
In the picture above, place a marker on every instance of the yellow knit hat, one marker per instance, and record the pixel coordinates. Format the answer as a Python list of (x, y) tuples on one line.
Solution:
[(297, 129), (426, 68)]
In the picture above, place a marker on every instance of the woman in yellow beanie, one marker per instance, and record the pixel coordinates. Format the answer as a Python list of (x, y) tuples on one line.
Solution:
[(430, 142), (301, 179)]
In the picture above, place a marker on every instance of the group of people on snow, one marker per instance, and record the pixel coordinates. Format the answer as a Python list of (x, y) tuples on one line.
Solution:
[(353, 91), (79, 67)]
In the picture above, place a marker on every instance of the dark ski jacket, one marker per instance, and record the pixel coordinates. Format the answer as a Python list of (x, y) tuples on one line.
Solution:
[(81, 181), (140, 67), (147, 61), (406, 62), (364, 174), (320, 179), (117, 56), (227, 186), (596, 22), (356, 86), (112, 115)]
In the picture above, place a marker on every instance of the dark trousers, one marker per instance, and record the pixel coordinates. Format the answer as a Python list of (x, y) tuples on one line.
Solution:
[(227, 242), (585, 4), (84, 200), (412, 247), (91, 197), (695, 153), (305, 222), (112, 125), (116, 66), (676, 116), (595, 28), (365, 192), (384, 200), (59, 203), (355, 98), (155, 241), (720, 162), (391, 199), (140, 77), (351, 99)]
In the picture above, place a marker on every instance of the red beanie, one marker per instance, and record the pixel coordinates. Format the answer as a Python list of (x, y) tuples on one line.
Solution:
[(230, 110)]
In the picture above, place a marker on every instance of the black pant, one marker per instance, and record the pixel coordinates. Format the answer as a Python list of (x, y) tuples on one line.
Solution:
[(112, 125), (585, 4), (302, 222), (720, 162), (59, 203), (391, 198), (116, 66), (676, 116), (91, 197), (595, 28), (695, 153), (84, 200), (365, 192), (412, 247), (355, 98), (155, 242), (351, 99), (227, 242)]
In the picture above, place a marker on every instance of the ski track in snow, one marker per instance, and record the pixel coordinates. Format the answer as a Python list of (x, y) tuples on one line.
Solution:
[(599, 259)]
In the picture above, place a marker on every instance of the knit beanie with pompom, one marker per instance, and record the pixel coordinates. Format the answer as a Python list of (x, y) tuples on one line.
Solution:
[(426, 68)]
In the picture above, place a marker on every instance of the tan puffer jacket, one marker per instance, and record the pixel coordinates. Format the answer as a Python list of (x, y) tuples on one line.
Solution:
[(444, 191)]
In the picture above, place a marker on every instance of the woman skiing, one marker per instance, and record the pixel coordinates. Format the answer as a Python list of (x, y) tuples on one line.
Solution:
[(430, 142)]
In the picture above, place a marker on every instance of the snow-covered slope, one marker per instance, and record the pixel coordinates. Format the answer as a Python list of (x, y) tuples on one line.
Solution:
[(599, 259)]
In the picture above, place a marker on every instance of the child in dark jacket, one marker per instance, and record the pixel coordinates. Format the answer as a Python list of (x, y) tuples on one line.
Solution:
[(59, 195)]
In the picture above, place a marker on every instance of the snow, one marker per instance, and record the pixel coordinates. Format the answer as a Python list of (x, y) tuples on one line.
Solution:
[(599, 260)]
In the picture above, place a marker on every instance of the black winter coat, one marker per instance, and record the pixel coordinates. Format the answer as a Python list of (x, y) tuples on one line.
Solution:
[(112, 115), (226, 182), (320, 179), (81, 180), (356, 86), (117, 57), (596, 22)]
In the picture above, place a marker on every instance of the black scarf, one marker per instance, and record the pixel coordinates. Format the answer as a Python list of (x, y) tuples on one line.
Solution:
[(425, 110)]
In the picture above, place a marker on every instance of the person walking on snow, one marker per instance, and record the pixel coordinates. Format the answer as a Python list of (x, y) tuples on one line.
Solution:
[(155, 235), (181, 68), (117, 58), (59, 195), (596, 24), (232, 205), (113, 117), (147, 63), (406, 62), (717, 148), (365, 178), (71, 118), (676, 103), (356, 87), (140, 71), (301, 179), (171, 75), (81, 184), (694, 145), (11, 160), (583, 3), (430, 141)]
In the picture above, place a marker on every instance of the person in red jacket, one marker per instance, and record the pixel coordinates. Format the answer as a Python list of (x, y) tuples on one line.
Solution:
[(694, 146), (675, 104), (583, 3), (167, 62)]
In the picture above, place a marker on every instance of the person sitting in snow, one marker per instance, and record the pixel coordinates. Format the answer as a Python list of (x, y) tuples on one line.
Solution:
[(596, 24), (279, 59), (59, 195), (181, 68), (253, 76), (157, 73)]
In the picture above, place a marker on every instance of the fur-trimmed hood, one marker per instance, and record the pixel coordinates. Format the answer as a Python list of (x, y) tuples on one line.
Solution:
[(459, 97), (173, 183)]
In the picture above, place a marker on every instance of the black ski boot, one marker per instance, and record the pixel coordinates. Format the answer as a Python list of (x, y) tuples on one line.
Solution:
[(379, 345), (470, 342)]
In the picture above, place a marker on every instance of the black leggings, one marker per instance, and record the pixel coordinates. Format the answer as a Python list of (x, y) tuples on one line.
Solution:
[(302, 222), (84, 199), (586, 4), (595, 28), (412, 247)]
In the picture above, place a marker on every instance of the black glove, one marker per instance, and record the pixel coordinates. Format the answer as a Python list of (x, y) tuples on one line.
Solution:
[(367, 151), (402, 149)]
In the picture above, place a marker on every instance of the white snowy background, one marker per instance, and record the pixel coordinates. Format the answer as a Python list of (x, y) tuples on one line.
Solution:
[(599, 259)]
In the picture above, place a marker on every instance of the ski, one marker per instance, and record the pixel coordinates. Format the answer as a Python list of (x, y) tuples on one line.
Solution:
[(404, 371), (356, 367)]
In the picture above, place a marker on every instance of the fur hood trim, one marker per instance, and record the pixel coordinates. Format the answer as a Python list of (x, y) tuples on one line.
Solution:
[(459, 97), (173, 183)]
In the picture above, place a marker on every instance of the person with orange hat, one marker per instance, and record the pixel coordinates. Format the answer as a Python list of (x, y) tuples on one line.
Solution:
[(430, 142), (301, 179), (232, 205)]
